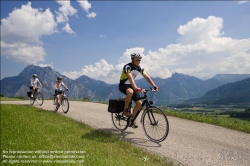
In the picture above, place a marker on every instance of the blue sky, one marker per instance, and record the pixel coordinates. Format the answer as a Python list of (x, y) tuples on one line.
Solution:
[(95, 38)]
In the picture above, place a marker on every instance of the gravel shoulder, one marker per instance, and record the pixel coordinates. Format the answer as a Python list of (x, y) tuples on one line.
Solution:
[(188, 142)]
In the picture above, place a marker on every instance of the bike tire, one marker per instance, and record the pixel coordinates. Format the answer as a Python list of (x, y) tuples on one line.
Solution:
[(65, 105), (55, 105), (120, 121), (40, 99), (155, 124), (31, 100)]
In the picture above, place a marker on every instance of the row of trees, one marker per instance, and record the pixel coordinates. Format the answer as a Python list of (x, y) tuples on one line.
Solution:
[(245, 114)]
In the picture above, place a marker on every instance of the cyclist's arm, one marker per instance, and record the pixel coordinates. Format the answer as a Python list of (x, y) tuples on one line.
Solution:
[(39, 83), (64, 86), (31, 83), (150, 81), (131, 80)]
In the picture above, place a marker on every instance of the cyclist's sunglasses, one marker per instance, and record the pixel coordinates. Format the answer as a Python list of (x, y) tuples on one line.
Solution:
[(137, 60)]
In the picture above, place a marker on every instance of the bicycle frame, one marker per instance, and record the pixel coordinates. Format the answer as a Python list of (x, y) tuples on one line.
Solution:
[(148, 105), (62, 96), (154, 121), (36, 92)]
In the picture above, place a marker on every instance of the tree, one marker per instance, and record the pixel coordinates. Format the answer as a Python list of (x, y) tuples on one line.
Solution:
[(247, 110), (85, 99)]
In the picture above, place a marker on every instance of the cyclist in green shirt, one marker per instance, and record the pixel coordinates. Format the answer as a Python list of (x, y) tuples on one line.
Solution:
[(127, 84)]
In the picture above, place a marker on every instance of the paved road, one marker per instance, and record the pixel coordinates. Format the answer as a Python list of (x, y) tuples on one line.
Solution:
[(188, 142)]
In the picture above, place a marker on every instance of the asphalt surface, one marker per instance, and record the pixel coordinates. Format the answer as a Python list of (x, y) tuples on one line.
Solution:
[(188, 142)]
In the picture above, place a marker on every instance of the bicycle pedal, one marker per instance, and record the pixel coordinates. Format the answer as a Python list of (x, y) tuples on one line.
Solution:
[(134, 126)]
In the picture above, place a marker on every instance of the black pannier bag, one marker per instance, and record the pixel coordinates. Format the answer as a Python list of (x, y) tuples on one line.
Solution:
[(116, 105), (29, 94)]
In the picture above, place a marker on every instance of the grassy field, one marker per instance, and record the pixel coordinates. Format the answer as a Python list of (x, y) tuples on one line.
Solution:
[(9, 99), (32, 135), (220, 120)]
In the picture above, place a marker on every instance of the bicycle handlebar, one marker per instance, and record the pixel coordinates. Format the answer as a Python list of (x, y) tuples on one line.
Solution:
[(146, 90)]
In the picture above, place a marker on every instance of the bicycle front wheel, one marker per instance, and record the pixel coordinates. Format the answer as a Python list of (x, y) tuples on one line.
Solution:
[(31, 100), (155, 124), (55, 105), (39, 99), (120, 121), (65, 105)]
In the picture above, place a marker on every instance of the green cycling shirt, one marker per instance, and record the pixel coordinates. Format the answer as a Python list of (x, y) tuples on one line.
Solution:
[(130, 68)]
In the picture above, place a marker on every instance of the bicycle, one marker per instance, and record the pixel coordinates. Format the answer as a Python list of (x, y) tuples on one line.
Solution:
[(63, 101), (154, 121), (37, 96)]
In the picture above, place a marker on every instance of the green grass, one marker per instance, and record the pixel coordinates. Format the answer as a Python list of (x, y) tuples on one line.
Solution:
[(30, 130), (220, 120), (9, 99)]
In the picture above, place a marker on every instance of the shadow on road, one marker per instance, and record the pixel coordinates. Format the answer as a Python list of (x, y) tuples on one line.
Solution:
[(106, 135)]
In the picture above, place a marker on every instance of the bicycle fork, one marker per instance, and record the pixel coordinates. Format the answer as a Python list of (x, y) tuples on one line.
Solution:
[(151, 117)]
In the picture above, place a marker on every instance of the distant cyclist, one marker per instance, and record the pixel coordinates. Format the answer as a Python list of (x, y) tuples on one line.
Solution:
[(59, 85), (33, 84), (127, 84)]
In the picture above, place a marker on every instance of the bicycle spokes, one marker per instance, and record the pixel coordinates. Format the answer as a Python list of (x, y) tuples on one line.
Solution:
[(151, 117), (120, 121), (155, 124)]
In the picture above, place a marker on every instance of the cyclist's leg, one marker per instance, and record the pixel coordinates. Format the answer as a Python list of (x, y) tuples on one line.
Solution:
[(36, 91), (128, 91), (32, 90), (57, 98), (138, 104), (129, 94), (137, 101)]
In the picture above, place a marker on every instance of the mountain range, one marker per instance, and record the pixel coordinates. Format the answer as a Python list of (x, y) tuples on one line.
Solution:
[(176, 89), (230, 93)]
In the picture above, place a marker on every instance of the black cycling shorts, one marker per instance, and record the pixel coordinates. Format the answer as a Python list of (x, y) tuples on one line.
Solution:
[(123, 88), (58, 92), (31, 88)]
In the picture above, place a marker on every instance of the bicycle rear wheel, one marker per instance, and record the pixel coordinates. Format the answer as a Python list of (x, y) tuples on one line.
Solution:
[(155, 124), (39, 99), (65, 105), (120, 121)]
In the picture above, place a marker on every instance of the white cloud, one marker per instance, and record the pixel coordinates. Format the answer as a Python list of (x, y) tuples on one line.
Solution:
[(86, 6), (100, 70), (67, 29), (201, 52), (45, 65), (17, 26), (63, 14), (205, 52), (103, 36), (20, 40), (91, 15), (64, 11), (22, 52), (200, 29), (241, 2)]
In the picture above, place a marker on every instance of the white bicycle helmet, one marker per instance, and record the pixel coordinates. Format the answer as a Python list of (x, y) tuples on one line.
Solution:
[(34, 75), (59, 78), (135, 55)]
